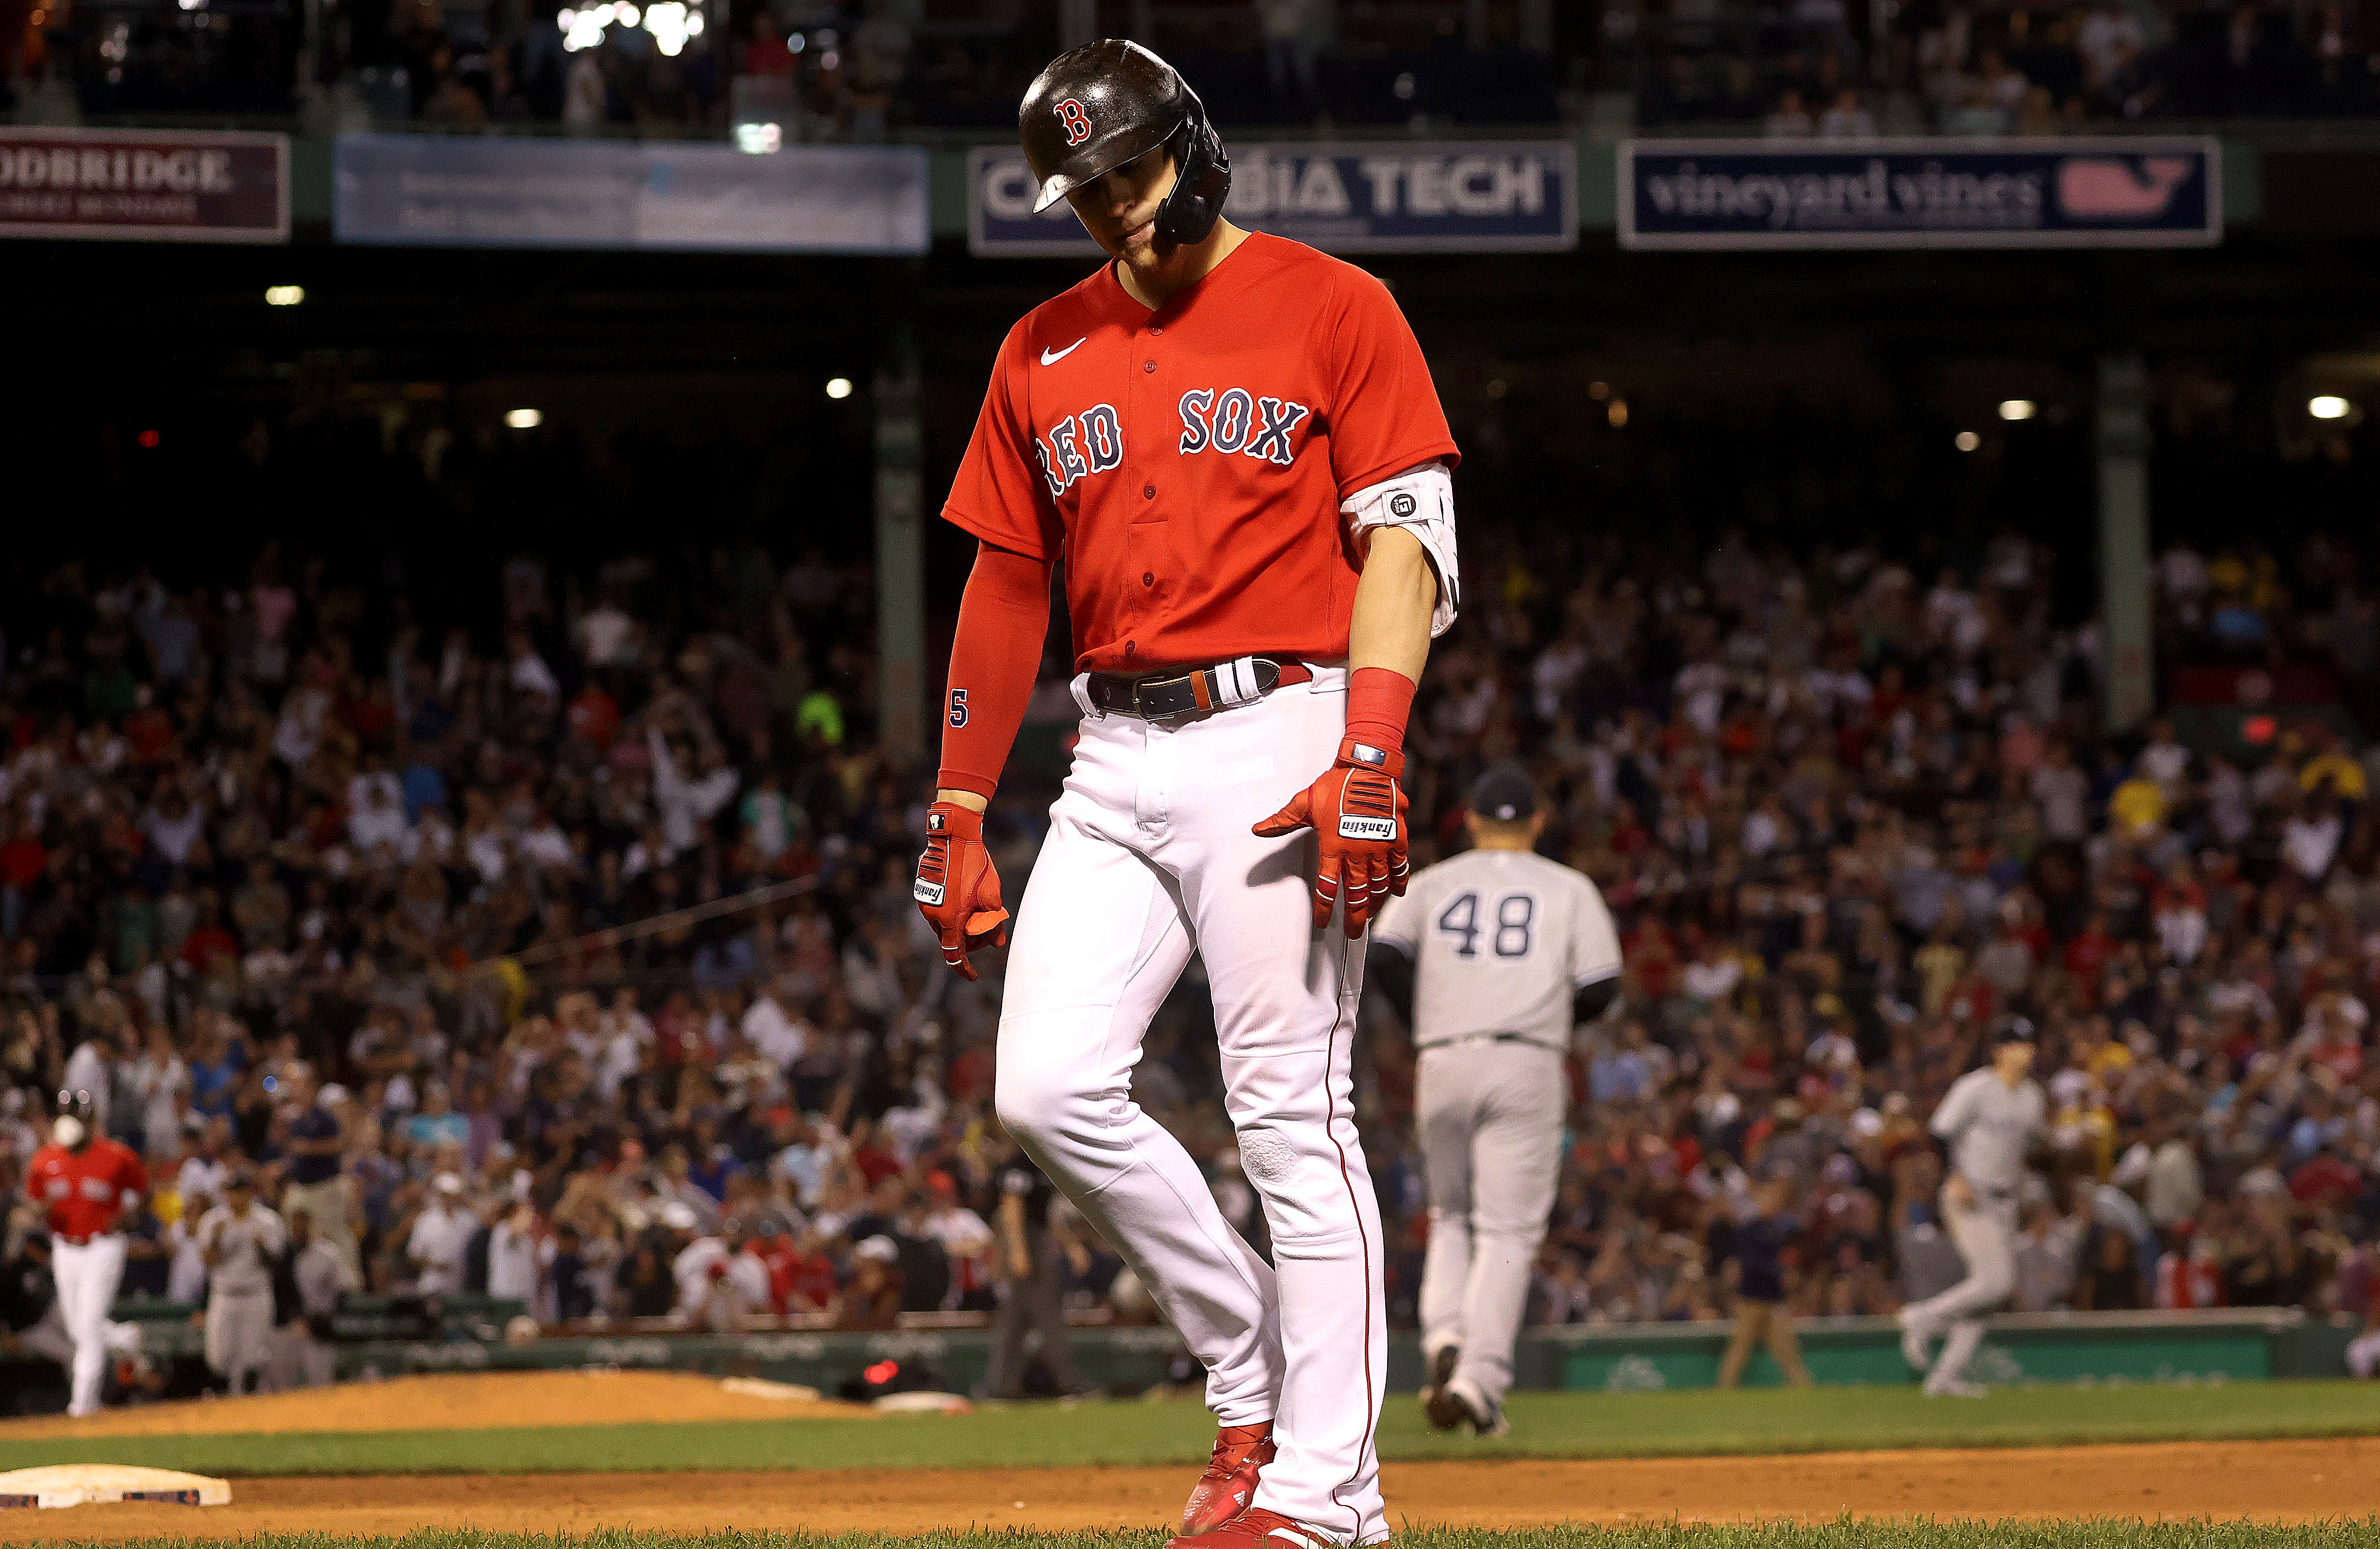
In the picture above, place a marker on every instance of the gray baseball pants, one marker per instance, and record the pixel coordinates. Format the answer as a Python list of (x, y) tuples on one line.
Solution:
[(239, 1335), (1490, 1115), (1985, 1237)]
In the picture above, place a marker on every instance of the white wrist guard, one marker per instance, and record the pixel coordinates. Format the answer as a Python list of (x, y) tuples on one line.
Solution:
[(1420, 500)]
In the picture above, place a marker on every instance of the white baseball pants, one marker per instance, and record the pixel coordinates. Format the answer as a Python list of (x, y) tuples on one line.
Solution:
[(1149, 858), (87, 1275), (1490, 1116)]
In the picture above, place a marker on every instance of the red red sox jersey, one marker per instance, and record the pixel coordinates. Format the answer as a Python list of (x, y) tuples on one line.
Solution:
[(84, 1191), (1188, 463)]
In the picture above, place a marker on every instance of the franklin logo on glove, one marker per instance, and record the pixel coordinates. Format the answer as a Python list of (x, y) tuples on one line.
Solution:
[(1381, 829), (959, 887)]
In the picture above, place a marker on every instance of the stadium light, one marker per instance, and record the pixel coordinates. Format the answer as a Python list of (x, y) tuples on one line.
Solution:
[(284, 295), (1967, 441), (838, 387), (2328, 405), (1616, 413), (2016, 408), (524, 419)]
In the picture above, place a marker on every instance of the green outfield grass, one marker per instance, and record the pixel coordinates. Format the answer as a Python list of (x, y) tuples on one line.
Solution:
[(1867, 1533), (1544, 1425)]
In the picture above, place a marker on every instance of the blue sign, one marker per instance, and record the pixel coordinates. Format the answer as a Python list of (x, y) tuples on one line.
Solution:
[(1395, 196), (2110, 192), (490, 192)]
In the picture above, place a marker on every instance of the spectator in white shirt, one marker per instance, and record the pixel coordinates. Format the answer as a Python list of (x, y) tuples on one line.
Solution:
[(519, 1251), (772, 1025), (687, 804), (441, 1233)]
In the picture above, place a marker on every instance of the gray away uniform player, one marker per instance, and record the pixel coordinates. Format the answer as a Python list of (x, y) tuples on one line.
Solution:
[(1491, 957), (241, 1239), (1989, 1118)]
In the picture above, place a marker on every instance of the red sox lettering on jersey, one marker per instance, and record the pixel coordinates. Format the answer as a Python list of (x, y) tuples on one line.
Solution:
[(1189, 461), (1233, 421)]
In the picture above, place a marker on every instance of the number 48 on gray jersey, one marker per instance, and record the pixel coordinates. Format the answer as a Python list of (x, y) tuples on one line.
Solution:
[(1500, 940)]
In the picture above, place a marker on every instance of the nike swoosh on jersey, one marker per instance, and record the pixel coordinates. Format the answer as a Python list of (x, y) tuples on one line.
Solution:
[(1052, 357)]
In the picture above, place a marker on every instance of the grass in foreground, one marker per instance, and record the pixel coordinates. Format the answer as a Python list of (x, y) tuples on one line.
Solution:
[(1693, 1424), (1866, 1534)]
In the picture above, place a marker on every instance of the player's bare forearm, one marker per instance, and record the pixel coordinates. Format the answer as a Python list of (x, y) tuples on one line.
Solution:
[(1394, 599)]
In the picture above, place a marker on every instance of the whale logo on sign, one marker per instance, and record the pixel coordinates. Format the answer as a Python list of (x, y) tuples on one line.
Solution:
[(2091, 188)]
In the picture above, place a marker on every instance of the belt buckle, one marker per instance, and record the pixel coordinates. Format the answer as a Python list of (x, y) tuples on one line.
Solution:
[(1143, 711)]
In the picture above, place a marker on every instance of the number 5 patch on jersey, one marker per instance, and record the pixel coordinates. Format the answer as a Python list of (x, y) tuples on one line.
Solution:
[(958, 707)]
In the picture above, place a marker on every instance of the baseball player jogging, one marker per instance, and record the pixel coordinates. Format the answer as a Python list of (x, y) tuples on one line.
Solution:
[(1989, 1119), (1490, 956), (86, 1182), (242, 1240), (1234, 442)]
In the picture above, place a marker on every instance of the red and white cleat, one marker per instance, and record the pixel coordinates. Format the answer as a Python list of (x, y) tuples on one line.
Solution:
[(1225, 1491), (1259, 1528)]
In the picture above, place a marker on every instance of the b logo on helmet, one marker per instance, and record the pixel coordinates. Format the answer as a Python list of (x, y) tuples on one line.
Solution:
[(1077, 122)]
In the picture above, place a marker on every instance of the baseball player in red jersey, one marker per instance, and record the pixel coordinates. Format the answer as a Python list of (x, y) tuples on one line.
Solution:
[(1233, 443), (85, 1182)]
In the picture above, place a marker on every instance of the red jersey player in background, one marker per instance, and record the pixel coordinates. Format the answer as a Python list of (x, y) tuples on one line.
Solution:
[(1234, 442), (84, 1183)]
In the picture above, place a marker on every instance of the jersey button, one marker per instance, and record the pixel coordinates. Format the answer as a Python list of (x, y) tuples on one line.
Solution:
[(1149, 578), (1155, 329), (1148, 491), (1131, 647), (1149, 365)]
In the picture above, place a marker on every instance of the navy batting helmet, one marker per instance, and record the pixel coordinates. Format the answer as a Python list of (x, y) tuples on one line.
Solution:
[(1105, 104)]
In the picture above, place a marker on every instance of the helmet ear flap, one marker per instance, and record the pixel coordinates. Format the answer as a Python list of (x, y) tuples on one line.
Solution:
[(1202, 179)]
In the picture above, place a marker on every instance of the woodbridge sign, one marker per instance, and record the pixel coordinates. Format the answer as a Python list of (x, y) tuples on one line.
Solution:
[(144, 185), (2111, 192), (1460, 196)]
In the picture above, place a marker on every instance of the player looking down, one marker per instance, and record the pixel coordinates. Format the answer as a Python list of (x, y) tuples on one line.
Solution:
[(1234, 442)]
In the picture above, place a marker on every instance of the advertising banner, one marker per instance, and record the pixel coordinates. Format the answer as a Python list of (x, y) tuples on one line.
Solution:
[(485, 192), (144, 185), (1390, 196), (2110, 193)]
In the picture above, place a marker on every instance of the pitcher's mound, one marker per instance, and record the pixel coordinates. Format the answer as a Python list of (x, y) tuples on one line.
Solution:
[(458, 1402)]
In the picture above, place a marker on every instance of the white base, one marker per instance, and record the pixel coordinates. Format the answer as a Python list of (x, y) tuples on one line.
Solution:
[(62, 1485)]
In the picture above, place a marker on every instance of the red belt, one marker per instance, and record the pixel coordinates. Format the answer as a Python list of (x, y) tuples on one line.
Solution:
[(85, 1241)]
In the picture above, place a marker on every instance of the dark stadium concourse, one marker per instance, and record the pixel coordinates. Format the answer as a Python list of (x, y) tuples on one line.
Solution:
[(1561, 373)]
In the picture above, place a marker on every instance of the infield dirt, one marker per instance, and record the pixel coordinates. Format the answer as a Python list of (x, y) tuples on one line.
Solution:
[(457, 1401), (2281, 1482)]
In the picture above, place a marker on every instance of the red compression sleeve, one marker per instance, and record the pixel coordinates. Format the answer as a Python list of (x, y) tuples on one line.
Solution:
[(1003, 616), (1378, 700)]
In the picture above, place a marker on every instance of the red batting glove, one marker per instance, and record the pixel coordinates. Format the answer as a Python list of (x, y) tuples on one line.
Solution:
[(1357, 810), (957, 888)]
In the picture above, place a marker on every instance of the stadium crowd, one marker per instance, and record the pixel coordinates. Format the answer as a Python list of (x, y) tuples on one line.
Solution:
[(864, 69), (569, 955)]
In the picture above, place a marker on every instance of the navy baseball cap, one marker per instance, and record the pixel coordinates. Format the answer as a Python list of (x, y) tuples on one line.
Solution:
[(2016, 1030), (1504, 794)]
